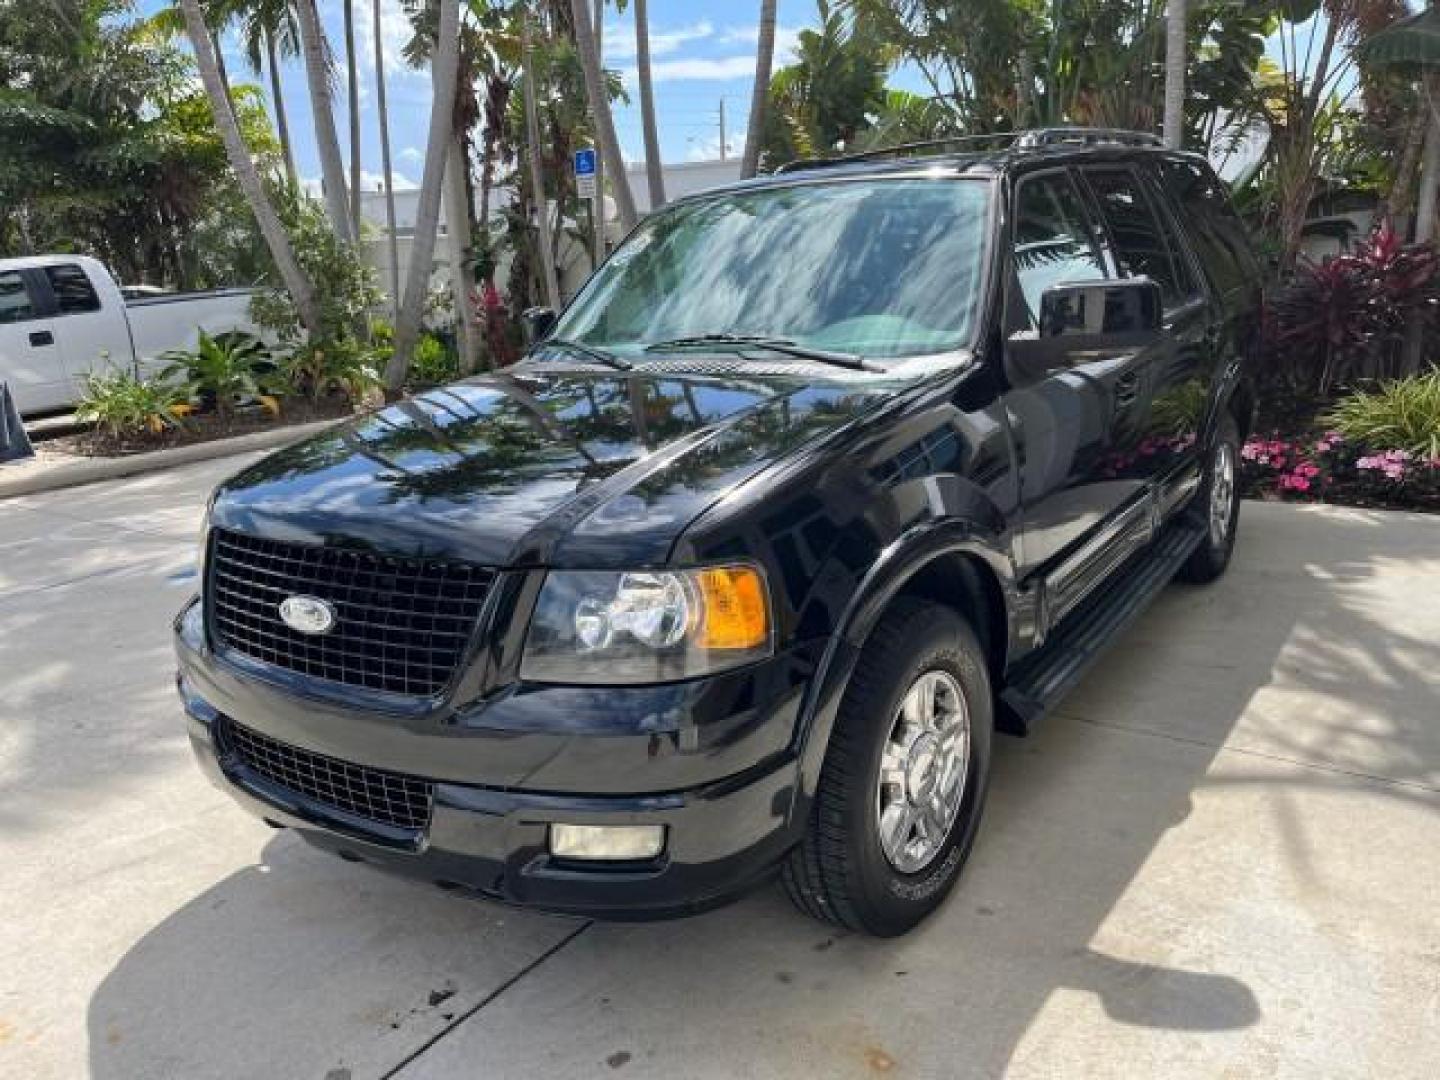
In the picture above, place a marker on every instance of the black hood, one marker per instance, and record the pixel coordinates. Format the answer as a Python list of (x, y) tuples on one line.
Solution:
[(537, 467)]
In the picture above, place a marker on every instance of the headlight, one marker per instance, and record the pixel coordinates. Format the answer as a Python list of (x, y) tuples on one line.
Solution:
[(647, 626)]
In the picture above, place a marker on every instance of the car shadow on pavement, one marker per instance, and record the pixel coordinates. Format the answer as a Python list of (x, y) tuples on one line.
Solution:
[(305, 966)]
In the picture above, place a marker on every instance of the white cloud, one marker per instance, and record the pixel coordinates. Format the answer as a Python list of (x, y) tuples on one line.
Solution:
[(619, 40), (395, 32), (697, 69), (413, 154), (787, 40), (370, 181), (708, 149)]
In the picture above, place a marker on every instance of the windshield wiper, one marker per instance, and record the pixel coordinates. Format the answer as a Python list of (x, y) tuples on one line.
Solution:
[(764, 341), (600, 356)]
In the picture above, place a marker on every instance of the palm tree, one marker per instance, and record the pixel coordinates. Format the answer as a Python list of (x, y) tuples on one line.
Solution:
[(445, 72), (532, 153), (385, 167), (647, 107), (268, 30), (322, 108), (352, 87), (598, 252), (600, 102), (248, 177), (760, 93), (1174, 120)]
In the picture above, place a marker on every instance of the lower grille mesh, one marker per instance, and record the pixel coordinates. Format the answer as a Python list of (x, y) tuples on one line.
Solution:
[(402, 802)]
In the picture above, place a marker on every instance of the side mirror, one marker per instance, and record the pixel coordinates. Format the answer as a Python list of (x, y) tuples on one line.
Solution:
[(1101, 309), (537, 323), (1082, 321)]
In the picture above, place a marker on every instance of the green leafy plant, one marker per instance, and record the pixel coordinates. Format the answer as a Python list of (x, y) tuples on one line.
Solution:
[(224, 370), (345, 286), (340, 366), (122, 404), (1403, 414), (434, 363)]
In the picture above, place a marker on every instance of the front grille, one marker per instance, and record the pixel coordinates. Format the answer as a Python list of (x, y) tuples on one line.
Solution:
[(384, 797), (401, 625)]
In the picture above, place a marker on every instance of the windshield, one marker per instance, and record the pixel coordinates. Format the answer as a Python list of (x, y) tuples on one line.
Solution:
[(881, 268)]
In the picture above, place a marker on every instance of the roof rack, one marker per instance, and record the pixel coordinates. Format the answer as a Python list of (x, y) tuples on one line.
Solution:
[(1052, 136)]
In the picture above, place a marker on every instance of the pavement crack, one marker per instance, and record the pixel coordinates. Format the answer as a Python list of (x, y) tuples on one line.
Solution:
[(460, 1018), (1225, 748)]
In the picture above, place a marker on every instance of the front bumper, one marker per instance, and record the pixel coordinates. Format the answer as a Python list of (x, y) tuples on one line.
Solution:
[(664, 755)]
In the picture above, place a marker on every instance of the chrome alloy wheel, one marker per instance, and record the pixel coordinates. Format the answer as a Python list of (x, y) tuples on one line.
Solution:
[(1222, 493), (922, 771)]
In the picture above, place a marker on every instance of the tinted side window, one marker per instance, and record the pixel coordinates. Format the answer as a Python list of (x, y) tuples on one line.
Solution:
[(1216, 232), (1052, 241), (15, 302), (1141, 245), (73, 291)]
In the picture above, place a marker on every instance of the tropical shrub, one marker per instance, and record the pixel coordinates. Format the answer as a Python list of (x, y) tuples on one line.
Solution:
[(1403, 414), (345, 286), (434, 363), (120, 404), (338, 366), (1346, 318), (224, 370)]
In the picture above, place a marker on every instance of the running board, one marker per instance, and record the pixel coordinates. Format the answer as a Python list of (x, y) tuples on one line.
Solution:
[(1045, 676)]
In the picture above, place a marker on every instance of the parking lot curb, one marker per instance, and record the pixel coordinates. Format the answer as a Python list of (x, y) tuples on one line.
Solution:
[(94, 470)]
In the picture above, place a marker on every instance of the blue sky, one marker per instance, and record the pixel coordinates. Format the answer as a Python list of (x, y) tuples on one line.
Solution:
[(702, 52)]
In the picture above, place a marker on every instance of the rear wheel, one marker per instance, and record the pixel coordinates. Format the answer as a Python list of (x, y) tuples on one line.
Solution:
[(1218, 502), (904, 778)]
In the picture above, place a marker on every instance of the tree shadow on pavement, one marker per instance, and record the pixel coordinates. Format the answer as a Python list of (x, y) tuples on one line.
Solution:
[(308, 965)]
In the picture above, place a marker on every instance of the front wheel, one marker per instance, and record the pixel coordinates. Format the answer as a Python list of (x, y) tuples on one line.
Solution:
[(1218, 502), (904, 778)]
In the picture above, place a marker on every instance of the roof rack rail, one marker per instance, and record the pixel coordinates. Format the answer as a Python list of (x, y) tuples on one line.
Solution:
[(1052, 136), (1088, 136)]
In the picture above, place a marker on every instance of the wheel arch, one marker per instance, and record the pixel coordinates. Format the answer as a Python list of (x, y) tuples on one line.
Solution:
[(949, 562)]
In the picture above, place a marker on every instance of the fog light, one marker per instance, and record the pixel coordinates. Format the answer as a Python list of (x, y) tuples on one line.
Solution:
[(607, 842)]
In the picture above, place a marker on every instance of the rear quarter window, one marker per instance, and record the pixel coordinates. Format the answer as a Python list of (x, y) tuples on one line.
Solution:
[(73, 292), (1217, 235), (15, 302)]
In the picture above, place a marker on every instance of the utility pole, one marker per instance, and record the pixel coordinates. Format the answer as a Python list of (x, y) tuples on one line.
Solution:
[(722, 129), (597, 205)]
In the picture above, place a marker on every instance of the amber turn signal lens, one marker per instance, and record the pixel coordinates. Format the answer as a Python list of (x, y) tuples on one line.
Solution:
[(734, 615)]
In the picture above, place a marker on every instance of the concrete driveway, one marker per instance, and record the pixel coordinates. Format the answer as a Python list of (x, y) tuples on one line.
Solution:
[(1218, 859)]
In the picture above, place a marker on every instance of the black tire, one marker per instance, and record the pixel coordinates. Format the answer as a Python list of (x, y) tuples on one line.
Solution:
[(1208, 561), (840, 872)]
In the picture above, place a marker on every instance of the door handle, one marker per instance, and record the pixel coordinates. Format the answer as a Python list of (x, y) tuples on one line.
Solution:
[(1127, 389), (42, 337)]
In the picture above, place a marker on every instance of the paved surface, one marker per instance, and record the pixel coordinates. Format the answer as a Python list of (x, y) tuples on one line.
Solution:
[(1219, 859)]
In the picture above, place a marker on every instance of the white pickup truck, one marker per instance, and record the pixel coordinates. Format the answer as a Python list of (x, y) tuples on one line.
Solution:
[(63, 317)]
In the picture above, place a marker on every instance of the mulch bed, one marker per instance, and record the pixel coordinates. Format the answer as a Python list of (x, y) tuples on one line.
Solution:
[(197, 428)]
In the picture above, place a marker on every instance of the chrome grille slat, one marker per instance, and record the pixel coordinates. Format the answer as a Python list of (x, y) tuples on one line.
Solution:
[(401, 626)]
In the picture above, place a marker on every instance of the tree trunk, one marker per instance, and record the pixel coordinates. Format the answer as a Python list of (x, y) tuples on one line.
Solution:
[(604, 122), (392, 241), (760, 93), (1429, 167), (1398, 197), (322, 108), (1173, 124), (653, 170), (462, 277), (295, 281), (282, 121), (537, 179), (353, 90), (445, 67), (597, 254)]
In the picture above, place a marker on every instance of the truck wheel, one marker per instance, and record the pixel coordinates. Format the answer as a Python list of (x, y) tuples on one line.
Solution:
[(1218, 502), (904, 778)]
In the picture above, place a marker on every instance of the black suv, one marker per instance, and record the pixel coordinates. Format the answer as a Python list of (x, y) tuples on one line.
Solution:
[(820, 479)]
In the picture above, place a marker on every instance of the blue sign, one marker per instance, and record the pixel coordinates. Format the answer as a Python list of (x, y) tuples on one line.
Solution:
[(584, 162)]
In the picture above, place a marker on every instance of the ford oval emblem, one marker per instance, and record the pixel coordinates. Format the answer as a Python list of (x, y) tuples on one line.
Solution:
[(307, 614)]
